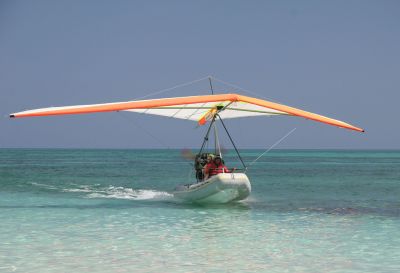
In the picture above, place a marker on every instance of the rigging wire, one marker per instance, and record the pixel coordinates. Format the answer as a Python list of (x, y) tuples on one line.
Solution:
[(242, 89), (270, 148), (148, 133), (172, 88), (205, 141), (142, 128), (233, 143), (157, 93)]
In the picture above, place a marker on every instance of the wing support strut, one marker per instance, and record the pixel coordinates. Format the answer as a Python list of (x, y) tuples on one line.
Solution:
[(233, 143)]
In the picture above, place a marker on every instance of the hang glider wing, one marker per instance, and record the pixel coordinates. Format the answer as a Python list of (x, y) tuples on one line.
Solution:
[(196, 108)]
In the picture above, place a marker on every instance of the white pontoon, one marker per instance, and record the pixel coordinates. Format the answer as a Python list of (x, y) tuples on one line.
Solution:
[(220, 188)]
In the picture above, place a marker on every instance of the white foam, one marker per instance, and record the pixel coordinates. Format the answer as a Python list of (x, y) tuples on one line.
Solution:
[(94, 191), (45, 186), (82, 188), (76, 190), (128, 193)]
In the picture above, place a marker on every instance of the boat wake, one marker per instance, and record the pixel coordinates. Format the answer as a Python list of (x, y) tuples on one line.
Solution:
[(128, 193), (110, 192)]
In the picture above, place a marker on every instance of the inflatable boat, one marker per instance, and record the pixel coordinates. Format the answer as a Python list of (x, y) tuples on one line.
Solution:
[(219, 189)]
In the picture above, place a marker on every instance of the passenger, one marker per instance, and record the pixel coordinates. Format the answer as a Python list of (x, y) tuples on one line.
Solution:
[(199, 165), (201, 161), (209, 159), (215, 167)]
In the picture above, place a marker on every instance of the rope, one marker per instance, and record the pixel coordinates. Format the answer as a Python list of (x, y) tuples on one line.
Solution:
[(270, 148)]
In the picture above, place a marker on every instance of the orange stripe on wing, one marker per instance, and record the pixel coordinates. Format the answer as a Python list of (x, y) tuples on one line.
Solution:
[(298, 112), (120, 106), (145, 104)]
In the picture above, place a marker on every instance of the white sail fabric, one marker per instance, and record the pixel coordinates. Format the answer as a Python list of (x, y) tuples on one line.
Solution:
[(198, 110)]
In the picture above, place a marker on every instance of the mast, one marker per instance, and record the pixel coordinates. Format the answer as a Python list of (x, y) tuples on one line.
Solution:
[(217, 147)]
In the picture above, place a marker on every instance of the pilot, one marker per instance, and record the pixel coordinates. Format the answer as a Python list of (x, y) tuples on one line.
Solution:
[(215, 167)]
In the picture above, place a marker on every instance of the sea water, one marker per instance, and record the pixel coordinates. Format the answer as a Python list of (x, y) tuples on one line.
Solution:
[(111, 211)]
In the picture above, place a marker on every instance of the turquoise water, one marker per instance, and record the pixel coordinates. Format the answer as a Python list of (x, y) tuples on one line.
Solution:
[(110, 211)]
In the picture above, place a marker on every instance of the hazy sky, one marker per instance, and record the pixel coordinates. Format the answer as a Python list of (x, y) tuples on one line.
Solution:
[(336, 58)]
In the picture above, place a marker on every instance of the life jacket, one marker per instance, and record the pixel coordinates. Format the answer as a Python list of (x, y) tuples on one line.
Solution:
[(214, 169)]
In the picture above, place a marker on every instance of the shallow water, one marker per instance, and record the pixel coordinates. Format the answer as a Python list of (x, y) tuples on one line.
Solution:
[(110, 211)]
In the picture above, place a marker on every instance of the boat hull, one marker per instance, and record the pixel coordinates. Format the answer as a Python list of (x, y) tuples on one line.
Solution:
[(219, 189)]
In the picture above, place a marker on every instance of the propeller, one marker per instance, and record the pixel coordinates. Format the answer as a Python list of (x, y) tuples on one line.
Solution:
[(188, 154)]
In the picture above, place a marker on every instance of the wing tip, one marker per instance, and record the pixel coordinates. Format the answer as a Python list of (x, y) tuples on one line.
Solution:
[(361, 130)]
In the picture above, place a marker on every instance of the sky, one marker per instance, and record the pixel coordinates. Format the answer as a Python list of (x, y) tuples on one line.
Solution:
[(336, 58)]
